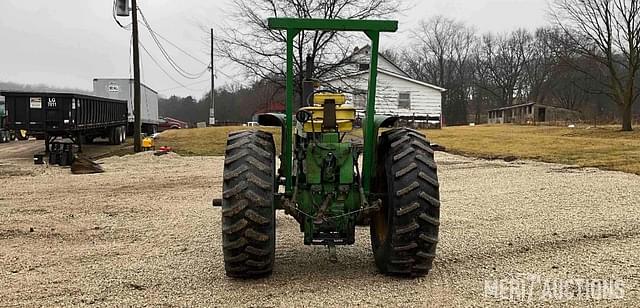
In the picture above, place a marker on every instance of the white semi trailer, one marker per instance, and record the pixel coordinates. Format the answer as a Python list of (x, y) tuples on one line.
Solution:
[(123, 89)]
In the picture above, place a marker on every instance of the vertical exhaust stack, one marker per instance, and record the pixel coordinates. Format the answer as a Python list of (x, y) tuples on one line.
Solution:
[(307, 84)]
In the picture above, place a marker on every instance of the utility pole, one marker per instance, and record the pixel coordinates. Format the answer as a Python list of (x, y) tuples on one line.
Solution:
[(137, 124), (212, 116)]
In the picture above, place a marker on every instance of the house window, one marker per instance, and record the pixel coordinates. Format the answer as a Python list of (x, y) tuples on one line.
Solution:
[(404, 100), (363, 67)]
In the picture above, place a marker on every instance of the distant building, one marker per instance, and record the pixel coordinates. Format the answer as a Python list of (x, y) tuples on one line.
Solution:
[(531, 113), (397, 94)]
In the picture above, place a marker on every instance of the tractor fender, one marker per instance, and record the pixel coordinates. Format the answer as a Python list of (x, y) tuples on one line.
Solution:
[(385, 121), (272, 119), (379, 121)]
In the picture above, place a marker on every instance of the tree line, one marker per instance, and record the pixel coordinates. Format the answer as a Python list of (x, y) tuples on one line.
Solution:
[(587, 59), (234, 104), (486, 71)]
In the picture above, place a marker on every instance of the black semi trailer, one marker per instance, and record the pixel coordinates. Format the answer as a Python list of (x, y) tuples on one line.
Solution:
[(81, 118)]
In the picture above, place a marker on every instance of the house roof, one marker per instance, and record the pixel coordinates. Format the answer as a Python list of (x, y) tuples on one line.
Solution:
[(513, 106), (525, 105), (392, 74), (381, 55)]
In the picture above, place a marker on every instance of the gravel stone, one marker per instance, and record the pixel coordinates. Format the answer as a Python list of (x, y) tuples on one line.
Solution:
[(144, 234)]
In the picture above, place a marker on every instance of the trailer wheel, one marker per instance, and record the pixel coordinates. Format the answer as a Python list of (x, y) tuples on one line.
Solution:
[(248, 212), (115, 135), (123, 129), (111, 137), (404, 233), (87, 139), (120, 137)]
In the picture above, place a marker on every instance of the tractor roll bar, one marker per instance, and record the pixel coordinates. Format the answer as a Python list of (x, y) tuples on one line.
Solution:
[(372, 29)]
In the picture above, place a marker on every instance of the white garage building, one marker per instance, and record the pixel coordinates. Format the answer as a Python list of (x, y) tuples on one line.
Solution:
[(397, 94)]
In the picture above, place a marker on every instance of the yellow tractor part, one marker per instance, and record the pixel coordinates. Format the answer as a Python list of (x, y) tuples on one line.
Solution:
[(338, 98), (345, 115)]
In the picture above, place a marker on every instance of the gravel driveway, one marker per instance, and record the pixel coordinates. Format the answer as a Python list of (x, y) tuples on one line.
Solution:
[(144, 233)]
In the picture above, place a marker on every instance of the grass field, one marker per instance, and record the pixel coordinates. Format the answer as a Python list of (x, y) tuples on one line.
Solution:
[(604, 147), (209, 141)]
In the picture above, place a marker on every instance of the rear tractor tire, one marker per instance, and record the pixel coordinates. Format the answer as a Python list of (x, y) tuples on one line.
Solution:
[(404, 233), (248, 212)]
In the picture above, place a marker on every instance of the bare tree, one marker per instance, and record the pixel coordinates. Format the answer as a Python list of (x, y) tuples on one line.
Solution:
[(261, 52), (442, 55), (501, 63), (608, 32), (568, 88), (542, 63)]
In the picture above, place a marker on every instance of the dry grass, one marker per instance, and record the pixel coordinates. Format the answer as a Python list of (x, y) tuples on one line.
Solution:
[(602, 147), (209, 141)]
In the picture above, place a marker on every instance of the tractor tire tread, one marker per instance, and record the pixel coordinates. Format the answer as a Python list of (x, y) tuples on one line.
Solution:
[(248, 214), (412, 203)]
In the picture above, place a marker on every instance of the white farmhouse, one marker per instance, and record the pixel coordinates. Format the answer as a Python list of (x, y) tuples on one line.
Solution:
[(397, 94)]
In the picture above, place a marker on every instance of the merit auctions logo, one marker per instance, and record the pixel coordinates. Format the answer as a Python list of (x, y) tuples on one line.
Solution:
[(534, 288)]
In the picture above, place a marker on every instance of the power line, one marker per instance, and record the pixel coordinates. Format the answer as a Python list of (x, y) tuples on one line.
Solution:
[(189, 85), (180, 49), (166, 55), (162, 69)]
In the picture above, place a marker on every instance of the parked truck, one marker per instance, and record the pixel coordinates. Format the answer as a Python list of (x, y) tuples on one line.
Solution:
[(122, 89), (80, 118)]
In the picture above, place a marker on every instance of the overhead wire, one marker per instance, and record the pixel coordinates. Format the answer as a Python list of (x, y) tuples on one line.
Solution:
[(209, 66), (184, 73), (161, 68), (179, 48), (188, 85), (155, 36)]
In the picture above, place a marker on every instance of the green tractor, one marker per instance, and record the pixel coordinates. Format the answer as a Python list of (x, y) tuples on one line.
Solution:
[(319, 181)]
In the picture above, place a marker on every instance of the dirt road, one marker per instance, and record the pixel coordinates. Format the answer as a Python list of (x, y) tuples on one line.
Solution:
[(20, 149), (24, 150), (144, 233)]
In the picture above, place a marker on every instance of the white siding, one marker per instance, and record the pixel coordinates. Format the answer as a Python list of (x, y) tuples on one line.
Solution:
[(424, 100)]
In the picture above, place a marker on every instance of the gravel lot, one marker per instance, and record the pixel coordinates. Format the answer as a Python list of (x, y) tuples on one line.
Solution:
[(144, 233)]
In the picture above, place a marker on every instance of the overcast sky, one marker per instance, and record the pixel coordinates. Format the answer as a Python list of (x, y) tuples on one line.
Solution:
[(68, 43)]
